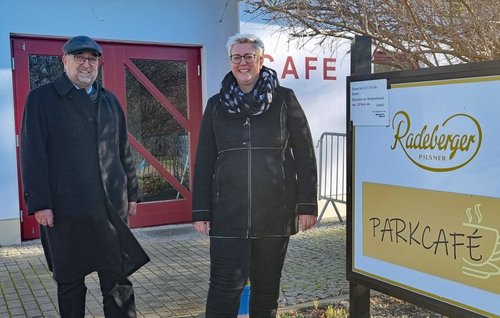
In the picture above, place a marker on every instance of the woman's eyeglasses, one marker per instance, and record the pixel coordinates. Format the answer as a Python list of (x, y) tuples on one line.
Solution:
[(80, 59), (249, 58)]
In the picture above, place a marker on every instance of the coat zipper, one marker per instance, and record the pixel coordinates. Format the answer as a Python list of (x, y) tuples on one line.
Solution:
[(249, 151)]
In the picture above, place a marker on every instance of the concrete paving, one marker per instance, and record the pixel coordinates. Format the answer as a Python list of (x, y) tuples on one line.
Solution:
[(175, 282)]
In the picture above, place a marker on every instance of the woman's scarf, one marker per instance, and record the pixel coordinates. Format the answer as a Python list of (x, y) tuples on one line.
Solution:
[(241, 104)]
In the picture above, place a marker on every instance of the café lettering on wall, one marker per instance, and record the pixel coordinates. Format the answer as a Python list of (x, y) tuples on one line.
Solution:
[(324, 66)]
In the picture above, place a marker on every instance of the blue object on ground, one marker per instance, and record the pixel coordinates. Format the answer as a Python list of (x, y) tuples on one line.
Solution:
[(244, 301)]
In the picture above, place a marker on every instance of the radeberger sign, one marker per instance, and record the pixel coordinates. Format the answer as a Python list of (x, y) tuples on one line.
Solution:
[(438, 147), (426, 190)]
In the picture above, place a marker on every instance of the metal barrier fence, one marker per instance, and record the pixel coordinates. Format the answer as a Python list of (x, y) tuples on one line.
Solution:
[(332, 171)]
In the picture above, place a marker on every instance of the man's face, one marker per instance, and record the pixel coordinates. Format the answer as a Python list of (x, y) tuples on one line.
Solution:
[(81, 68)]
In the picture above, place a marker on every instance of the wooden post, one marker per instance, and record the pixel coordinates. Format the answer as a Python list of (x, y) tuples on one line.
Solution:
[(361, 55), (359, 301), (361, 63)]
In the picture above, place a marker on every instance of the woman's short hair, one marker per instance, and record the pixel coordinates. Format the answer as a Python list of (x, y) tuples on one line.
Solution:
[(245, 38)]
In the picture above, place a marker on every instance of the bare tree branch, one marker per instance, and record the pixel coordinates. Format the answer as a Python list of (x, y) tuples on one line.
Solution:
[(411, 33)]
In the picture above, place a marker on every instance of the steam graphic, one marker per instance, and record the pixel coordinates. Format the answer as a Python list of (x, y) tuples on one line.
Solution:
[(491, 265)]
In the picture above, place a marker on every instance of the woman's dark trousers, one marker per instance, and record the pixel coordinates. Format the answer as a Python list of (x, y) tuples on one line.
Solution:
[(117, 293), (232, 262)]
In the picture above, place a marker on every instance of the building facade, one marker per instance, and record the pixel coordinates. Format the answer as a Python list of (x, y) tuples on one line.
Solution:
[(155, 60), (163, 59)]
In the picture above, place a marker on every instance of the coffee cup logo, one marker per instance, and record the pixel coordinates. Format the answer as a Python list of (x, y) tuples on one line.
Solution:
[(487, 265), (442, 147)]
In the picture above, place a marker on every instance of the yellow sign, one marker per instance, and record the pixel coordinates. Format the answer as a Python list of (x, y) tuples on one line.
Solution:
[(449, 235)]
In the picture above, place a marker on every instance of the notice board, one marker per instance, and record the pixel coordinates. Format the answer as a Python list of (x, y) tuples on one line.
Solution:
[(424, 186)]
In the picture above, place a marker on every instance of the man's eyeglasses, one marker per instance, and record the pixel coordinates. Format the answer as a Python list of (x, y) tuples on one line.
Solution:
[(80, 59), (249, 58)]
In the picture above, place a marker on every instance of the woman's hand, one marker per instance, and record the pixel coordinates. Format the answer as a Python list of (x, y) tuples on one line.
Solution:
[(202, 226), (132, 208), (307, 221)]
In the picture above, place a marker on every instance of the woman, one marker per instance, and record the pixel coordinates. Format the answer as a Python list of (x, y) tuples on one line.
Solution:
[(254, 181)]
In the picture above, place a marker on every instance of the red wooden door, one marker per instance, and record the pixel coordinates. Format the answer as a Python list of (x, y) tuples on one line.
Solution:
[(159, 88)]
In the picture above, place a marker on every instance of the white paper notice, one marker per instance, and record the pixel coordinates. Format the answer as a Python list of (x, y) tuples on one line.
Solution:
[(370, 103)]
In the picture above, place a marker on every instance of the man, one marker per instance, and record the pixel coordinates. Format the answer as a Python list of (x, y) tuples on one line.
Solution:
[(80, 184)]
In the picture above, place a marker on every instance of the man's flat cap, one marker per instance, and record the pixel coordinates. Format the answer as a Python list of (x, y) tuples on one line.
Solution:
[(81, 43)]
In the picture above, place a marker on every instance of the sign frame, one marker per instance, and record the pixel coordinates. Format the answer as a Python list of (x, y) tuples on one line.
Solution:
[(354, 274)]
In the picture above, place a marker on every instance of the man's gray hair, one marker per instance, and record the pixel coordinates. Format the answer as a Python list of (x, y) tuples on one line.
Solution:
[(245, 38)]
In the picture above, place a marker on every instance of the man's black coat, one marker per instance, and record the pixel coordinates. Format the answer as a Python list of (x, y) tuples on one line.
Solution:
[(76, 160)]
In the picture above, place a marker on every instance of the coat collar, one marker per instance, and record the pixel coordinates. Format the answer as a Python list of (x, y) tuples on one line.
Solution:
[(64, 85)]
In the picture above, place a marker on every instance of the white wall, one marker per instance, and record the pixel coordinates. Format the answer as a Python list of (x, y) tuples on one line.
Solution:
[(190, 22)]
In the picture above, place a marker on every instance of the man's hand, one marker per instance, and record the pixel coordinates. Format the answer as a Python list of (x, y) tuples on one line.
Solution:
[(307, 221), (45, 217), (132, 208), (202, 226)]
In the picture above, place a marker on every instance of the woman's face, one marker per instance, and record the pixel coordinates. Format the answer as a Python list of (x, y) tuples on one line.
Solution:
[(246, 73)]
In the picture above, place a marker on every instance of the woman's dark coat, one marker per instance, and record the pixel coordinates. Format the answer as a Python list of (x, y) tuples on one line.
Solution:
[(254, 175), (76, 160)]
